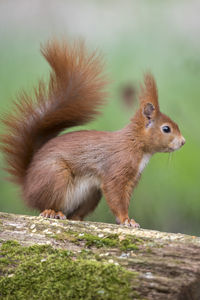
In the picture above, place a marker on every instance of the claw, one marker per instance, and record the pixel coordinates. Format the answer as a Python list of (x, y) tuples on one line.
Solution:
[(131, 223), (50, 213)]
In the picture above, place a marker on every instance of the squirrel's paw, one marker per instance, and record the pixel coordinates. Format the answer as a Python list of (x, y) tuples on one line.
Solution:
[(131, 223), (50, 213)]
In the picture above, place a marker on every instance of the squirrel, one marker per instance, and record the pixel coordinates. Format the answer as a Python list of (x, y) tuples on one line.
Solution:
[(64, 176)]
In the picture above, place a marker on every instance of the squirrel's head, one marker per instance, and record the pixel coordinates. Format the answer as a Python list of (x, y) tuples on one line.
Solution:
[(159, 132)]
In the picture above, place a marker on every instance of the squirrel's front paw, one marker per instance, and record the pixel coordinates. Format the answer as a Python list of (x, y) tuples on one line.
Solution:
[(50, 213), (131, 223)]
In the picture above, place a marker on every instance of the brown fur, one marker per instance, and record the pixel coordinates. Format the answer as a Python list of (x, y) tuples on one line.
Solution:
[(72, 97), (68, 173)]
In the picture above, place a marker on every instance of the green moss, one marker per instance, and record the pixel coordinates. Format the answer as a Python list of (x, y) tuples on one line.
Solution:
[(1, 225), (70, 236), (99, 242), (111, 240), (41, 272), (127, 244)]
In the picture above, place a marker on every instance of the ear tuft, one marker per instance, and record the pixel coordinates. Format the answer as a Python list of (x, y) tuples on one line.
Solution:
[(149, 92)]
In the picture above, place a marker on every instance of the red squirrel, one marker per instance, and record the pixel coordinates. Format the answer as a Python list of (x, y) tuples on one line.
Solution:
[(64, 176)]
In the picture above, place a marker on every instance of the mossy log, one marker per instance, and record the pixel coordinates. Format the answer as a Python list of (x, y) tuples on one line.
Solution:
[(53, 259)]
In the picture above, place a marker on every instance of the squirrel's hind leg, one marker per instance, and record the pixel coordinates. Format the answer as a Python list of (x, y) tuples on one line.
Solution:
[(45, 189), (50, 213)]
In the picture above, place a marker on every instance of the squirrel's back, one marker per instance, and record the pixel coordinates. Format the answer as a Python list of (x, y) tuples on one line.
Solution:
[(75, 91)]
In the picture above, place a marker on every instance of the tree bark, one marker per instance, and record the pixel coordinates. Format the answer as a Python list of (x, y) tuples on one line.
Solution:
[(167, 264)]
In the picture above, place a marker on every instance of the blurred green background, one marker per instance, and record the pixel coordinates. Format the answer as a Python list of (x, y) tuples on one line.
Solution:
[(161, 36)]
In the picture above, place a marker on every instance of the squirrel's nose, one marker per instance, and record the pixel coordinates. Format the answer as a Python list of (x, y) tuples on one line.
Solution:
[(183, 141)]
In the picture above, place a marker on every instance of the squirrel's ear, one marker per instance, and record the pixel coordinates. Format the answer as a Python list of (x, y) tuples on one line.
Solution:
[(149, 96), (148, 110)]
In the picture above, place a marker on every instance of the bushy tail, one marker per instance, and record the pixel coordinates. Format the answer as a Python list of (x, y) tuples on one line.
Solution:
[(73, 96)]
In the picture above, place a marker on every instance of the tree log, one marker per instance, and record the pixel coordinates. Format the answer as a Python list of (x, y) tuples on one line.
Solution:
[(156, 265)]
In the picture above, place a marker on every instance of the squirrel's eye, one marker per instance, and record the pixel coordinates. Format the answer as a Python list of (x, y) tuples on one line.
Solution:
[(166, 129)]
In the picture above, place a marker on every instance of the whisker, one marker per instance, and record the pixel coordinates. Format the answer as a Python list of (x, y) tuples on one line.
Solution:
[(170, 158)]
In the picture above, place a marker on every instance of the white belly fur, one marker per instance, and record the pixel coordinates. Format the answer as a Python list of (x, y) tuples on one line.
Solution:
[(79, 191), (144, 161)]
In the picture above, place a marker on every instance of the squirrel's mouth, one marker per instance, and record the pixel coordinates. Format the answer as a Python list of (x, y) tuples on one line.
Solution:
[(176, 144), (170, 149)]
